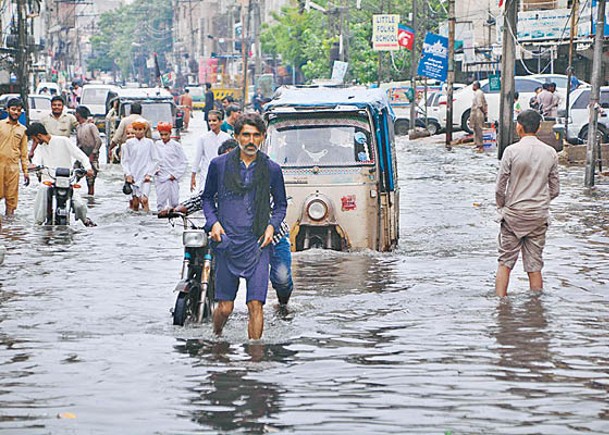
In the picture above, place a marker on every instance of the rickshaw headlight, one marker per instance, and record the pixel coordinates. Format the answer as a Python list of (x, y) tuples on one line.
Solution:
[(194, 239), (317, 210)]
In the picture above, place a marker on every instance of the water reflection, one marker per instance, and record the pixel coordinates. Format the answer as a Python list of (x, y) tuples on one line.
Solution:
[(228, 397), (524, 342)]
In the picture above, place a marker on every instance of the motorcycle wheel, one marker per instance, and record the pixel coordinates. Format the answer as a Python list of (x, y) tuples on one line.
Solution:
[(179, 311), (61, 220), (208, 302)]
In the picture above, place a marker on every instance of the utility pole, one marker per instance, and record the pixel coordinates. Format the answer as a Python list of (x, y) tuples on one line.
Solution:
[(574, 15), (23, 74), (508, 65), (451, 74), (597, 67), (413, 72), (258, 52), (245, 21)]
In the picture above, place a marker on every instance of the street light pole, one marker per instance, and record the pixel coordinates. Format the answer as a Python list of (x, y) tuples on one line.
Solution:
[(574, 14), (413, 72), (593, 107), (508, 65), (23, 74), (451, 74)]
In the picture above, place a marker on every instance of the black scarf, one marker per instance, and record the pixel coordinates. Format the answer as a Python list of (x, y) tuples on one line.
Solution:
[(261, 185)]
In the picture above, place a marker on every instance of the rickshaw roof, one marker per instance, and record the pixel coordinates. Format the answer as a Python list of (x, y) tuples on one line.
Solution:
[(359, 97)]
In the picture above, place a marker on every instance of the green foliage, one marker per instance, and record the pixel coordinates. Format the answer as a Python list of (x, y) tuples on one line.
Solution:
[(303, 40), (132, 32)]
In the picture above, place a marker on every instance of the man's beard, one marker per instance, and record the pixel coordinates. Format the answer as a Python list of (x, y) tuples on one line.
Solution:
[(247, 150)]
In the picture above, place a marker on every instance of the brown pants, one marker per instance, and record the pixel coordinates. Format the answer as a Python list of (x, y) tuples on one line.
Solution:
[(530, 245), (9, 184), (476, 120)]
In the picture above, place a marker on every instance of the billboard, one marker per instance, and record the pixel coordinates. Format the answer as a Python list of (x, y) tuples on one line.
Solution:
[(434, 58), (385, 32)]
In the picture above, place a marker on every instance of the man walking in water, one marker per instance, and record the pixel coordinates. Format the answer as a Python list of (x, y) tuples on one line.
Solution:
[(242, 221), (526, 183)]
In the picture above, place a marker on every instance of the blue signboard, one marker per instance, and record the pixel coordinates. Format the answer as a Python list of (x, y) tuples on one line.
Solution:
[(434, 58)]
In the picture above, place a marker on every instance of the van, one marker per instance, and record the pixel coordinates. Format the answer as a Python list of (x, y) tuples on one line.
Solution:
[(94, 98)]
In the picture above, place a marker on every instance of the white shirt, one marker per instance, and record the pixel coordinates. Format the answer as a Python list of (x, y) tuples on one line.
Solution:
[(60, 152), (172, 160), (207, 150), (140, 157)]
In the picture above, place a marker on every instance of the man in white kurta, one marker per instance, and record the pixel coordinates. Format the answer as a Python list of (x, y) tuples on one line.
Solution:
[(140, 161), (54, 152), (172, 166), (207, 149)]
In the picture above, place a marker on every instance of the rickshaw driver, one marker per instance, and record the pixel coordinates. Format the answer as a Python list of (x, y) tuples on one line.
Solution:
[(243, 222)]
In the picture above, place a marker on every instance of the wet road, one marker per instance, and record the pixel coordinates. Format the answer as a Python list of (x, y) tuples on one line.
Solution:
[(408, 342)]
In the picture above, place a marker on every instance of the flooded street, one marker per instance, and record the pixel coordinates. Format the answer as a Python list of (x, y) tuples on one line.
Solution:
[(412, 341)]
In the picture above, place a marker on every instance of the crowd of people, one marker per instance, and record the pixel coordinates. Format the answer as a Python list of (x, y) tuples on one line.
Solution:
[(240, 190)]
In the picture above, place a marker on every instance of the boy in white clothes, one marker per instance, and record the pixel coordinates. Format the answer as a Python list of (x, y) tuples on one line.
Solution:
[(207, 149), (172, 166), (140, 161)]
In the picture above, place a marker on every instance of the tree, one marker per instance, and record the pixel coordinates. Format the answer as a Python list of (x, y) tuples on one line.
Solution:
[(130, 34), (303, 39)]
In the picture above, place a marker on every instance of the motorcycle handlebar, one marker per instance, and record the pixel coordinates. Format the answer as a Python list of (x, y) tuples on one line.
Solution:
[(170, 214)]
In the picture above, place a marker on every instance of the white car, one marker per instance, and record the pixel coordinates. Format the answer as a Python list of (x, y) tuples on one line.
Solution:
[(39, 106), (462, 100), (577, 128), (53, 88), (561, 80)]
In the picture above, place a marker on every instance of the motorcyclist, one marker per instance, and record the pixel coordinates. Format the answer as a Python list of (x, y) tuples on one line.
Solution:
[(56, 152)]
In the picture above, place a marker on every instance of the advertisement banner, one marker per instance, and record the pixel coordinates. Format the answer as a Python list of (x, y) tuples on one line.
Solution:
[(339, 69), (385, 32), (405, 37), (434, 58)]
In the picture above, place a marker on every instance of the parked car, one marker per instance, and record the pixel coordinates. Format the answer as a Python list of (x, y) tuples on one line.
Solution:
[(561, 80), (577, 127), (94, 98), (402, 122), (462, 100), (39, 106)]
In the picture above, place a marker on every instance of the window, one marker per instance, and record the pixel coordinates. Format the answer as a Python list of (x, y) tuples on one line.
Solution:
[(41, 103), (94, 96), (527, 85), (320, 145), (582, 101)]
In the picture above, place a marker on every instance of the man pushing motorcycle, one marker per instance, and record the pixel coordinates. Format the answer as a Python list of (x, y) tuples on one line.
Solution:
[(55, 152), (242, 221)]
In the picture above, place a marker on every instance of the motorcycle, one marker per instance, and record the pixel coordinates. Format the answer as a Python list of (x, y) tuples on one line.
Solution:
[(60, 193), (196, 290)]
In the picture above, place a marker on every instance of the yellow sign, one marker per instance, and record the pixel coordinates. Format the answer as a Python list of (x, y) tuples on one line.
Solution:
[(385, 32)]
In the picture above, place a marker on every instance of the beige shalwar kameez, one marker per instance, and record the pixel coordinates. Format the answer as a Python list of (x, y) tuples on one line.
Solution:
[(526, 183)]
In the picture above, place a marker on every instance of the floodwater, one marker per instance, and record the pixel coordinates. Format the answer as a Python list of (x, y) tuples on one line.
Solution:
[(412, 341)]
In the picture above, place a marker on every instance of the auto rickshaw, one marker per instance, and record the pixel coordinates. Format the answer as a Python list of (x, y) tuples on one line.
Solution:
[(337, 150)]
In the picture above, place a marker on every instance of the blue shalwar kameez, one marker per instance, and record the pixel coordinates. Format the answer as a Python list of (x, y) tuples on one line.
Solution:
[(238, 254)]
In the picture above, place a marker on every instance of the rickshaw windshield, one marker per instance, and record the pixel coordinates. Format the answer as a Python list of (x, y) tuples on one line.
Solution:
[(320, 142)]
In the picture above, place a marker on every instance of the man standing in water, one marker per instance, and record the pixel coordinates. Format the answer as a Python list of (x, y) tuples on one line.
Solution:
[(242, 222), (13, 151), (526, 183), (478, 114)]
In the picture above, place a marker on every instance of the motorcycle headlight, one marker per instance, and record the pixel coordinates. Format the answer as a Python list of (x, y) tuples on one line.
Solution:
[(62, 182), (194, 239), (317, 210)]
